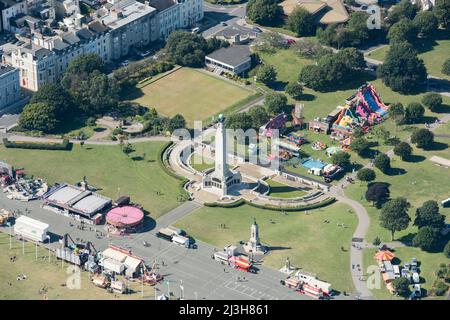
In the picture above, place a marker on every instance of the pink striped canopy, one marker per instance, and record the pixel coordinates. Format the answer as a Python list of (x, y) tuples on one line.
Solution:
[(127, 216)]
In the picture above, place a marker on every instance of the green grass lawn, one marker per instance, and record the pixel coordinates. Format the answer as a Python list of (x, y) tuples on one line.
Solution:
[(191, 93), (310, 243), (41, 273), (200, 164), (280, 190), (433, 52), (429, 264), (106, 168)]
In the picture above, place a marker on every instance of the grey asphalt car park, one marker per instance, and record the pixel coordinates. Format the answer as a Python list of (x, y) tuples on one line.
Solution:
[(202, 276)]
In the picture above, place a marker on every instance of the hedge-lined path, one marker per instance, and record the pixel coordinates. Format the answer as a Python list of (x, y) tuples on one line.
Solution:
[(24, 138)]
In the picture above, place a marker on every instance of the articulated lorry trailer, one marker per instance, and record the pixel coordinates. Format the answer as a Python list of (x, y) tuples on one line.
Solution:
[(31, 229)]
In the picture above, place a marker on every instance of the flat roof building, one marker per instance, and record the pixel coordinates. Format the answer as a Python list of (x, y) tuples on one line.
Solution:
[(233, 59), (76, 200)]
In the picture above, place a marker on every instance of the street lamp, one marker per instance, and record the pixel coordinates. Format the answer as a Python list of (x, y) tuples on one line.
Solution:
[(196, 297), (10, 234), (182, 289), (48, 237)]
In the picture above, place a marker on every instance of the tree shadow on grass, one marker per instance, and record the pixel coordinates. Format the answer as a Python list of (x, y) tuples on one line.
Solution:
[(278, 85), (132, 94), (437, 146), (307, 97), (99, 129), (396, 172), (407, 239), (414, 158), (443, 108), (137, 158)]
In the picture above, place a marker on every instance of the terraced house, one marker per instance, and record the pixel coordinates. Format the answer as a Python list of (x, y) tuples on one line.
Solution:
[(53, 32)]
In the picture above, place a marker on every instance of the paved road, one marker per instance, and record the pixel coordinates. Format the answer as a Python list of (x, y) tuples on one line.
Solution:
[(216, 14), (195, 268), (178, 213)]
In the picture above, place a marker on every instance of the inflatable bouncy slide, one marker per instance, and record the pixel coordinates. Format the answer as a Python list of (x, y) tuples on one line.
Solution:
[(364, 110)]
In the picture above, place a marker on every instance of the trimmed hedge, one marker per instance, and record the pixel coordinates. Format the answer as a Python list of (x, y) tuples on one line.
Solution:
[(161, 162), (64, 145), (317, 205), (234, 204), (241, 202)]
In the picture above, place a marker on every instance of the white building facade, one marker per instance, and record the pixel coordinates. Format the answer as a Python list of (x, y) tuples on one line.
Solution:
[(9, 86)]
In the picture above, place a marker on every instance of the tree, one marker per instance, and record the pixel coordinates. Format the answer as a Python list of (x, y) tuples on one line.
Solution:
[(358, 132), (394, 215), (428, 216), (294, 89), (265, 12), (341, 159), (270, 41), (382, 162), (414, 112), (238, 121), (425, 22), (309, 49), (433, 101), (97, 94), (176, 122), (381, 133), (56, 98), (275, 103), (85, 63), (427, 238), (404, 9), (333, 70), (301, 22), (358, 26), (127, 148), (186, 49), (378, 193), (402, 70), (366, 175), (259, 116), (447, 249), (39, 116), (266, 74), (403, 150), (446, 67), (397, 112), (403, 30), (401, 286), (360, 145), (311, 76), (442, 11), (423, 138)]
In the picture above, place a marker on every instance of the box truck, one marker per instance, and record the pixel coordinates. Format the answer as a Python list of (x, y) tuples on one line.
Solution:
[(31, 229)]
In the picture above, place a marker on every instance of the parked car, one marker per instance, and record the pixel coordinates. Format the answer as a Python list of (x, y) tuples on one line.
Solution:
[(145, 54), (195, 30), (256, 29), (223, 23), (125, 63)]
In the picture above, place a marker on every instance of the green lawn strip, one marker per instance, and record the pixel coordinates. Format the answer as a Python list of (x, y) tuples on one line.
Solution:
[(429, 264), (40, 273), (190, 92), (280, 190), (106, 168), (310, 243), (200, 164)]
